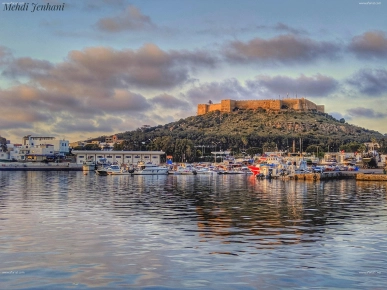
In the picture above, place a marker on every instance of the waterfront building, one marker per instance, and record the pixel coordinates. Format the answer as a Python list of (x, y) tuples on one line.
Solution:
[(4, 155), (60, 147), (40, 153), (119, 157)]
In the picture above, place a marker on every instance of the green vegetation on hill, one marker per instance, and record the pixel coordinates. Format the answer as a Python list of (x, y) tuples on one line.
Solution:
[(249, 130)]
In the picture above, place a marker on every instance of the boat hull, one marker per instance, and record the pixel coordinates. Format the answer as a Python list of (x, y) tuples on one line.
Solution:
[(254, 169)]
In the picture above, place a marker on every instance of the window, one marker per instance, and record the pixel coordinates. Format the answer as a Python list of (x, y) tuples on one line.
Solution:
[(128, 156), (100, 156), (118, 156), (109, 156), (136, 156), (81, 157), (146, 156), (154, 157)]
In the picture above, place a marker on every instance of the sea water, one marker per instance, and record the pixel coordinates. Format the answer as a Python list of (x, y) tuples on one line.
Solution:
[(70, 230)]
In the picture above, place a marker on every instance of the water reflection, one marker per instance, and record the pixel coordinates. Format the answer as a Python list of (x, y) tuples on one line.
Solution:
[(119, 231)]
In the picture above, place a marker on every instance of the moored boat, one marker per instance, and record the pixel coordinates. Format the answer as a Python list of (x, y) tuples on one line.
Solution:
[(205, 170), (187, 169), (108, 170), (88, 166), (149, 169)]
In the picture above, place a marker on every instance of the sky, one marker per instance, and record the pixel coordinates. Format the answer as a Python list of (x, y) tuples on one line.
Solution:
[(84, 69)]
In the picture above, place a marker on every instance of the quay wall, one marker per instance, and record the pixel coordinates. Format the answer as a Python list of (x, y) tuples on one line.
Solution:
[(39, 167), (371, 177), (30, 168), (271, 104), (340, 175), (324, 176)]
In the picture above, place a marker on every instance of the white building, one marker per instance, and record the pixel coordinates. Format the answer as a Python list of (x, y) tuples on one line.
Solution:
[(61, 147), (119, 157), (40, 152), (4, 155)]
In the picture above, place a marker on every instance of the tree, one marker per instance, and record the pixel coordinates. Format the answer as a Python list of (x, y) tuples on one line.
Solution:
[(269, 147), (92, 147), (245, 141), (78, 148), (342, 120), (253, 150)]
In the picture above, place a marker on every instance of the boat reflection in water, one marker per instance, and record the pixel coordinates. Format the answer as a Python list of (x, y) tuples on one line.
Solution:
[(190, 232)]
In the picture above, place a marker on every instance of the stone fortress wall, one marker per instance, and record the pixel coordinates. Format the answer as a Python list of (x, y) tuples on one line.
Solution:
[(302, 105)]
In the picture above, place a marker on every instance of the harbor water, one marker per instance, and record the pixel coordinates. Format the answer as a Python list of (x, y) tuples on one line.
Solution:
[(70, 230)]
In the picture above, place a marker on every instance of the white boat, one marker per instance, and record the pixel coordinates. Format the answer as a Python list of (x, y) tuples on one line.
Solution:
[(121, 171), (188, 169), (205, 170), (112, 169), (88, 166), (149, 169)]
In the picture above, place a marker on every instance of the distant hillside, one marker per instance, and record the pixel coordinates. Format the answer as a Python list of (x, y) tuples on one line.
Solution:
[(245, 129)]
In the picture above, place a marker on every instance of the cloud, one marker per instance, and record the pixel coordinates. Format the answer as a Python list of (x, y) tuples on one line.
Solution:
[(338, 116), (99, 70), (281, 49), (217, 91), (93, 84), (263, 87), (90, 125), (170, 102), (361, 112), (318, 85), (130, 19), (5, 55), (371, 44), (370, 81), (283, 27), (26, 66)]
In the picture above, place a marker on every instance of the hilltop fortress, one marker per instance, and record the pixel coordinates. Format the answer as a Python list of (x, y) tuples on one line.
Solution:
[(302, 105)]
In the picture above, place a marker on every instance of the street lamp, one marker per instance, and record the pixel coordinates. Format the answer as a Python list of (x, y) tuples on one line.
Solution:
[(216, 147)]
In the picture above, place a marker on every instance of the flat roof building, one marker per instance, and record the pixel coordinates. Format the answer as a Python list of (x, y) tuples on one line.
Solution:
[(119, 157)]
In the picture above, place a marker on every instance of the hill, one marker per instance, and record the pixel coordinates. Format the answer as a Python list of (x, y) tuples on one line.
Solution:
[(244, 129)]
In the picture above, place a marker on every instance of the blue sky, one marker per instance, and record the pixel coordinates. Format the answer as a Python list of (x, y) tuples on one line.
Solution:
[(106, 66)]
